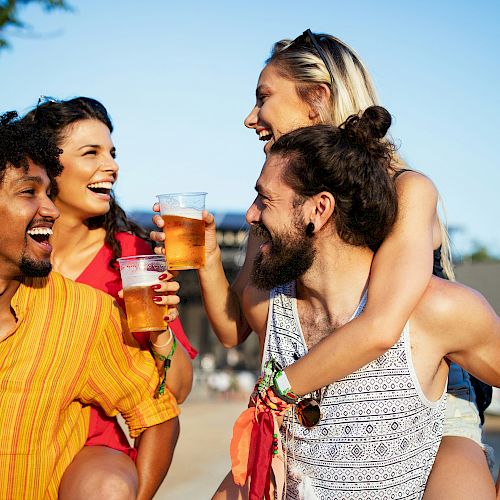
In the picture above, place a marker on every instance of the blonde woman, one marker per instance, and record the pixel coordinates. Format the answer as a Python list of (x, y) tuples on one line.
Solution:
[(319, 79)]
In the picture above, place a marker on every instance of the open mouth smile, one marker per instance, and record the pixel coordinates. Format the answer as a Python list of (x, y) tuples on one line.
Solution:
[(101, 189), (40, 235), (265, 135)]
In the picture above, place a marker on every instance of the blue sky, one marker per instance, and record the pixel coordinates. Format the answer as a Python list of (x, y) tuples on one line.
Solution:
[(179, 77)]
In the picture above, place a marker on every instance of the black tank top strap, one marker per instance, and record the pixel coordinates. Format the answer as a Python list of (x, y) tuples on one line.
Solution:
[(437, 268), (400, 171)]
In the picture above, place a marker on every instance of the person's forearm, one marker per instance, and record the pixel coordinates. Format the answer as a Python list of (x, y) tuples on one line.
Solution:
[(180, 374), (155, 452), (222, 303)]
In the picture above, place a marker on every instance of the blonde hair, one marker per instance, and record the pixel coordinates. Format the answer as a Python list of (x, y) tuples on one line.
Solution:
[(351, 87), (446, 258), (351, 91)]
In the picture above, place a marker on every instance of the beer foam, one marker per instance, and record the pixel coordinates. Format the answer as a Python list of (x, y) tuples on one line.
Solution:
[(188, 213), (140, 279)]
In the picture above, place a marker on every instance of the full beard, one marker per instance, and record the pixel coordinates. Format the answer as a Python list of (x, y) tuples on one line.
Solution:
[(290, 256)]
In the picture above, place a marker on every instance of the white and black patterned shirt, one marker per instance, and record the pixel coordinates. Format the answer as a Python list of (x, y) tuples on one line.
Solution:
[(378, 435)]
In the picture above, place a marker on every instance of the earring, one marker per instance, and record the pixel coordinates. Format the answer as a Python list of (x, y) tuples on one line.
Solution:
[(310, 229)]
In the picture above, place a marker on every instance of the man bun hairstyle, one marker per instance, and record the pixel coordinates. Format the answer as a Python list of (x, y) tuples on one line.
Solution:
[(372, 124), (353, 163)]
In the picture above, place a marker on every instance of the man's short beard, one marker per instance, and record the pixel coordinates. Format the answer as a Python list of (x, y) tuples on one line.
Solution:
[(290, 256), (33, 268)]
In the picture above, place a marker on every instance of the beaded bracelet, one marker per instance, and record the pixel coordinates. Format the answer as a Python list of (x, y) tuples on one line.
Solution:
[(273, 402), (167, 360)]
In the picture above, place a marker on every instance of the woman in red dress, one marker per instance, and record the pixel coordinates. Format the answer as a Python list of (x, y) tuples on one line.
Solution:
[(91, 233)]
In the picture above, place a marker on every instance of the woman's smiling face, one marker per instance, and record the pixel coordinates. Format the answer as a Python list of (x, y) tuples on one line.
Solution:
[(278, 108), (90, 169)]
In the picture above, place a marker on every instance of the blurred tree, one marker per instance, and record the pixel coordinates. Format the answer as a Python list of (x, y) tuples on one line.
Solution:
[(9, 15), (480, 254)]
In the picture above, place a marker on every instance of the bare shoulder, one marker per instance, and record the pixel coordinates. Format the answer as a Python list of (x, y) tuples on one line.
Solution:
[(413, 182), (452, 306), (256, 308)]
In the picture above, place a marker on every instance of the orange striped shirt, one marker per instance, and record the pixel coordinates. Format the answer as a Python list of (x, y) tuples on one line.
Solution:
[(70, 348)]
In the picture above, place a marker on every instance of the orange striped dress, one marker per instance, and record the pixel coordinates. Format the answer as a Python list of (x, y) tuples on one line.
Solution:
[(70, 348)]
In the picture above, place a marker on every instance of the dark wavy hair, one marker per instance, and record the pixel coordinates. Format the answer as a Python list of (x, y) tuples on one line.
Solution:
[(53, 118), (353, 163), (20, 142)]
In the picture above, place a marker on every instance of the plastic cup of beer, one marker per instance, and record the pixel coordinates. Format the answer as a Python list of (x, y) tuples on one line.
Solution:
[(138, 274), (184, 229)]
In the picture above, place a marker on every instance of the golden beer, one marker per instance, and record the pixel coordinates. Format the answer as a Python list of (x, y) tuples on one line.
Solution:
[(143, 314), (184, 242)]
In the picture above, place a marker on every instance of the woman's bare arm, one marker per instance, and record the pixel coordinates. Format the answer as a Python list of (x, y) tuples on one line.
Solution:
[(222, 301), (156, 448), (401, 271)]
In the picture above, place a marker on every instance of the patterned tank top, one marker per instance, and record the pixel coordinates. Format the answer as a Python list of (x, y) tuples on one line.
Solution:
[(378, 435)]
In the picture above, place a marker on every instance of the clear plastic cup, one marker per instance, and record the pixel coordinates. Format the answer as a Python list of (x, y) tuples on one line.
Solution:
[(184, 229), (138, 274)]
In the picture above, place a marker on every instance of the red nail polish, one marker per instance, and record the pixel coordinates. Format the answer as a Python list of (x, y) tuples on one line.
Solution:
[(157, 298), (163, 276), (155, 287)]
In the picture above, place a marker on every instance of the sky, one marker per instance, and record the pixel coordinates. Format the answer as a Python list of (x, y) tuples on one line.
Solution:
[(178, 78)]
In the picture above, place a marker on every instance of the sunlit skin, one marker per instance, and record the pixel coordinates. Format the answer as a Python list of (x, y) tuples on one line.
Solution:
[(89, 160), (278, 108), (90, 172), (25, 207), (26, 210), (403, 263), (271, 202), (89, 175)]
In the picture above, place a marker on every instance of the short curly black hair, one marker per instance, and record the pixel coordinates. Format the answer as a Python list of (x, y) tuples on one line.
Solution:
[(21, 141)]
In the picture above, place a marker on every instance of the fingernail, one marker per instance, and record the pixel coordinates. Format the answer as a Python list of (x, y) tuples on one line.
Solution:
[(163, 276), (155, 287), (157, 298)]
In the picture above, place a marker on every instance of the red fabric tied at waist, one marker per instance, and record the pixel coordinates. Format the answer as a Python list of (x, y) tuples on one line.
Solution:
[(251, 451)]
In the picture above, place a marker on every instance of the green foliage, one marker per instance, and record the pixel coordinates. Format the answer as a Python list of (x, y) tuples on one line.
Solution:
[(9, 15), (480, 254)]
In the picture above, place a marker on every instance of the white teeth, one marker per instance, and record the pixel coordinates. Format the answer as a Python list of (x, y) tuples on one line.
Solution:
[(40, 230), (265, 135), (102, 185)]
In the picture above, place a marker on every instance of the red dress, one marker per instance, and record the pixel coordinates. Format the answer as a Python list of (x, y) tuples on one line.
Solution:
[(104, 430)]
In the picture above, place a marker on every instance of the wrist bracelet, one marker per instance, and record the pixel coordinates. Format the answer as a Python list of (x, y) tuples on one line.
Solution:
[(167, 342), (281, 387), (167, 360)]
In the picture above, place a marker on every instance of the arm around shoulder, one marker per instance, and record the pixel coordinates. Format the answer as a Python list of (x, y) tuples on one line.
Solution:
[(402, 266), (400, 273)]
